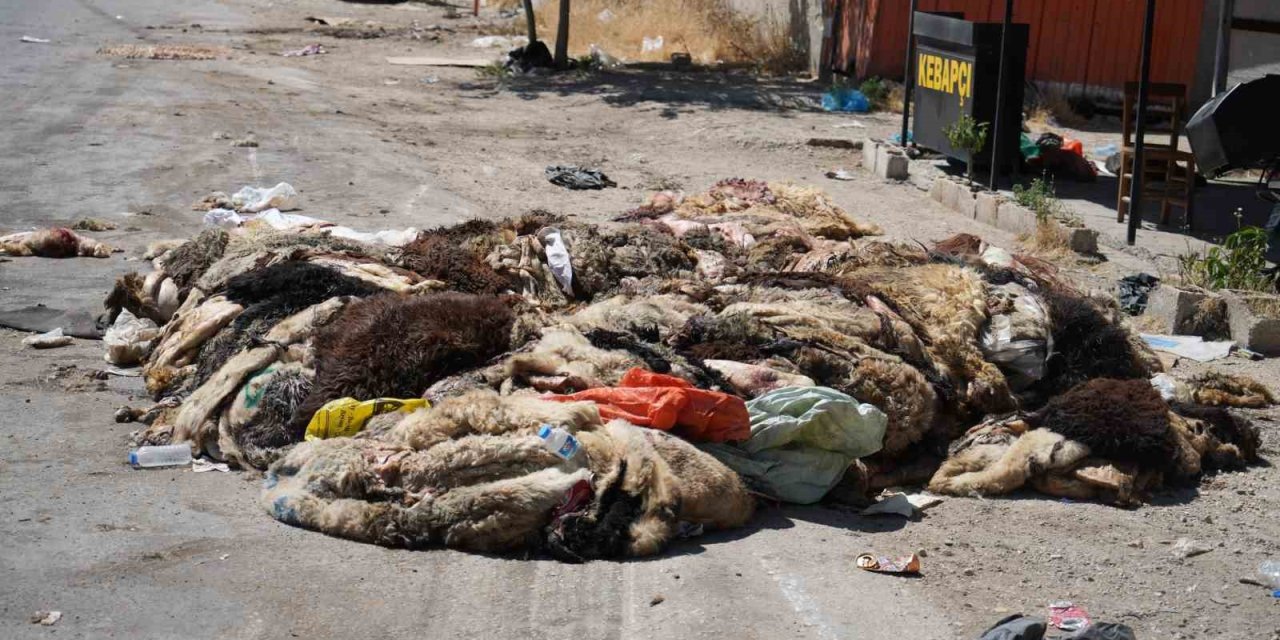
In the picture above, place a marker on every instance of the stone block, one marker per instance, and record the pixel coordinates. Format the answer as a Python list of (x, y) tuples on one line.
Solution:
[(987, 208), (1015, 218), (1171, 309), (1083, 240), (891, 163), (1251, 328), (966, 202), (870, 154)]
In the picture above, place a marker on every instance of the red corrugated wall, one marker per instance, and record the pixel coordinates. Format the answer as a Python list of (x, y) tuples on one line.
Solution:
[(1080, 42)]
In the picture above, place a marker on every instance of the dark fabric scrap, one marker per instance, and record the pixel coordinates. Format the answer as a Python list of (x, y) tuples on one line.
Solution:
[(1134, 290), (1016, 627), (1104, 631), (572, 177)]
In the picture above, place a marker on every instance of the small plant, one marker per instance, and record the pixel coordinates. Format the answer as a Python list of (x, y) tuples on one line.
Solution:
[(494, 71), (876, 91), (1040, 198), (968, 135), (1237, 264)]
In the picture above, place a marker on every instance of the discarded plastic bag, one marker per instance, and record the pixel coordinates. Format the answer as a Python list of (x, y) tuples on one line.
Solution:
[(558, 258), (663, 402), (1171, 389), (48, 340), (577, 178), (1019, 341), (1193, 347), (845, 100), (129, 339), (258, 199), (345, 417), (226, 218), (909, 564), (649, 45)]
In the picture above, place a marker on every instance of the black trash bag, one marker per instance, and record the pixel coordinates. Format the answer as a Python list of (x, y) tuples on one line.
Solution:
[(1016, 627), (534, 55), (1104, 631), (1134, 290), (578, 177)]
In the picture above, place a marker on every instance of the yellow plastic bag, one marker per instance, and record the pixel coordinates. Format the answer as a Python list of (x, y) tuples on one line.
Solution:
[(345, 417)]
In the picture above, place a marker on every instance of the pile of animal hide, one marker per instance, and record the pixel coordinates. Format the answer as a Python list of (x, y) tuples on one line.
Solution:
[(58, 242), (746, 290)]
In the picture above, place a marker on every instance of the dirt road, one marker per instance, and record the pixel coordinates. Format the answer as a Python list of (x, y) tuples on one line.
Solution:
[(173, 554)]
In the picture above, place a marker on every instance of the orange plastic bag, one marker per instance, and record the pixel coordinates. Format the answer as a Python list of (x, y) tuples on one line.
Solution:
[(1071, 145), (658, 401)]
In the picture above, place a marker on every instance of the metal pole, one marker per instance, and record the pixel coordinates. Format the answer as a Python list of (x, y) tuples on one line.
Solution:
[(1222, 55), (908, 78), (1140, 134), (995, 127)]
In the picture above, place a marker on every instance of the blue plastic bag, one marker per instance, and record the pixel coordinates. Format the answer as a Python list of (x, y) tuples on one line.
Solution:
[(845, 100)]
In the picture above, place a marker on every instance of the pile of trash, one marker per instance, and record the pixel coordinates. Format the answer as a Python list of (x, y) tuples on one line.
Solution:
[(597, 390)]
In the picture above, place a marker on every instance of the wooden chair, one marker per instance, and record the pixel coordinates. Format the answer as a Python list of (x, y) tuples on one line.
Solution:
[(1169, 174)]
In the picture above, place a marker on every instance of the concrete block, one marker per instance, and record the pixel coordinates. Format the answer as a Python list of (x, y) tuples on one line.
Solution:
[(1015, 218), (938, 190), (891, 163), (948, 190), (966, 202), (870, 154), (987, 208), (1250, 328), (1083, 240), (1171, 308)]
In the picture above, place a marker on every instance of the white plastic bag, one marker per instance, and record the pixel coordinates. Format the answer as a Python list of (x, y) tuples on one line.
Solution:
[(225, 218), (1170, 388), (649, 45), (256, 199), (47, 340), (558, 259), (129, 339)]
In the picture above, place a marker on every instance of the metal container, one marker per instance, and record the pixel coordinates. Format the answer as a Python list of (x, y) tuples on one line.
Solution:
[(957, 68)]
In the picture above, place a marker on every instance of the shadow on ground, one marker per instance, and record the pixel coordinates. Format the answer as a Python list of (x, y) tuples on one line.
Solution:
[(710, 90)]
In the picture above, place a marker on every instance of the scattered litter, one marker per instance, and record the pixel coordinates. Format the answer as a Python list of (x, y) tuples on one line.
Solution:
[(246, 142), (50, 340), (1269, 571), (256, 199), (169, 455), (93, 224), (649, 45), (1103, 168), (605, 17), (1104, 631), (1187, 548), (852, 124), (34, 40), (46, 618), (129, 339), (659, 598), (202, 465), (1193, 347), (165, 52), (330, 21), (908, 564), (1106, 150), (845, 100), (505, 42), (124, 373), (345, 417), (313, 49), (428, 61), (573, 177), (224, 556), (803, 440), (1171, 389), (834, 143), (558, 260), (558, 441), (1134, 290), (1067, 616), (840, 174), (430, 79), (665, 402), (602, 58), (1016, 627), (390, 82), (897, 504)]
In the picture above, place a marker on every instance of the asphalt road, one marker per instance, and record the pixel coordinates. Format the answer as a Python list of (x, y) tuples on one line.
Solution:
[(172, 554)]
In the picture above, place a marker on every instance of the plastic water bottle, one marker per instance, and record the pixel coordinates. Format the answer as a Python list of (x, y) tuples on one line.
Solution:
[(1270, 573), (559, 441), (171, 455)]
